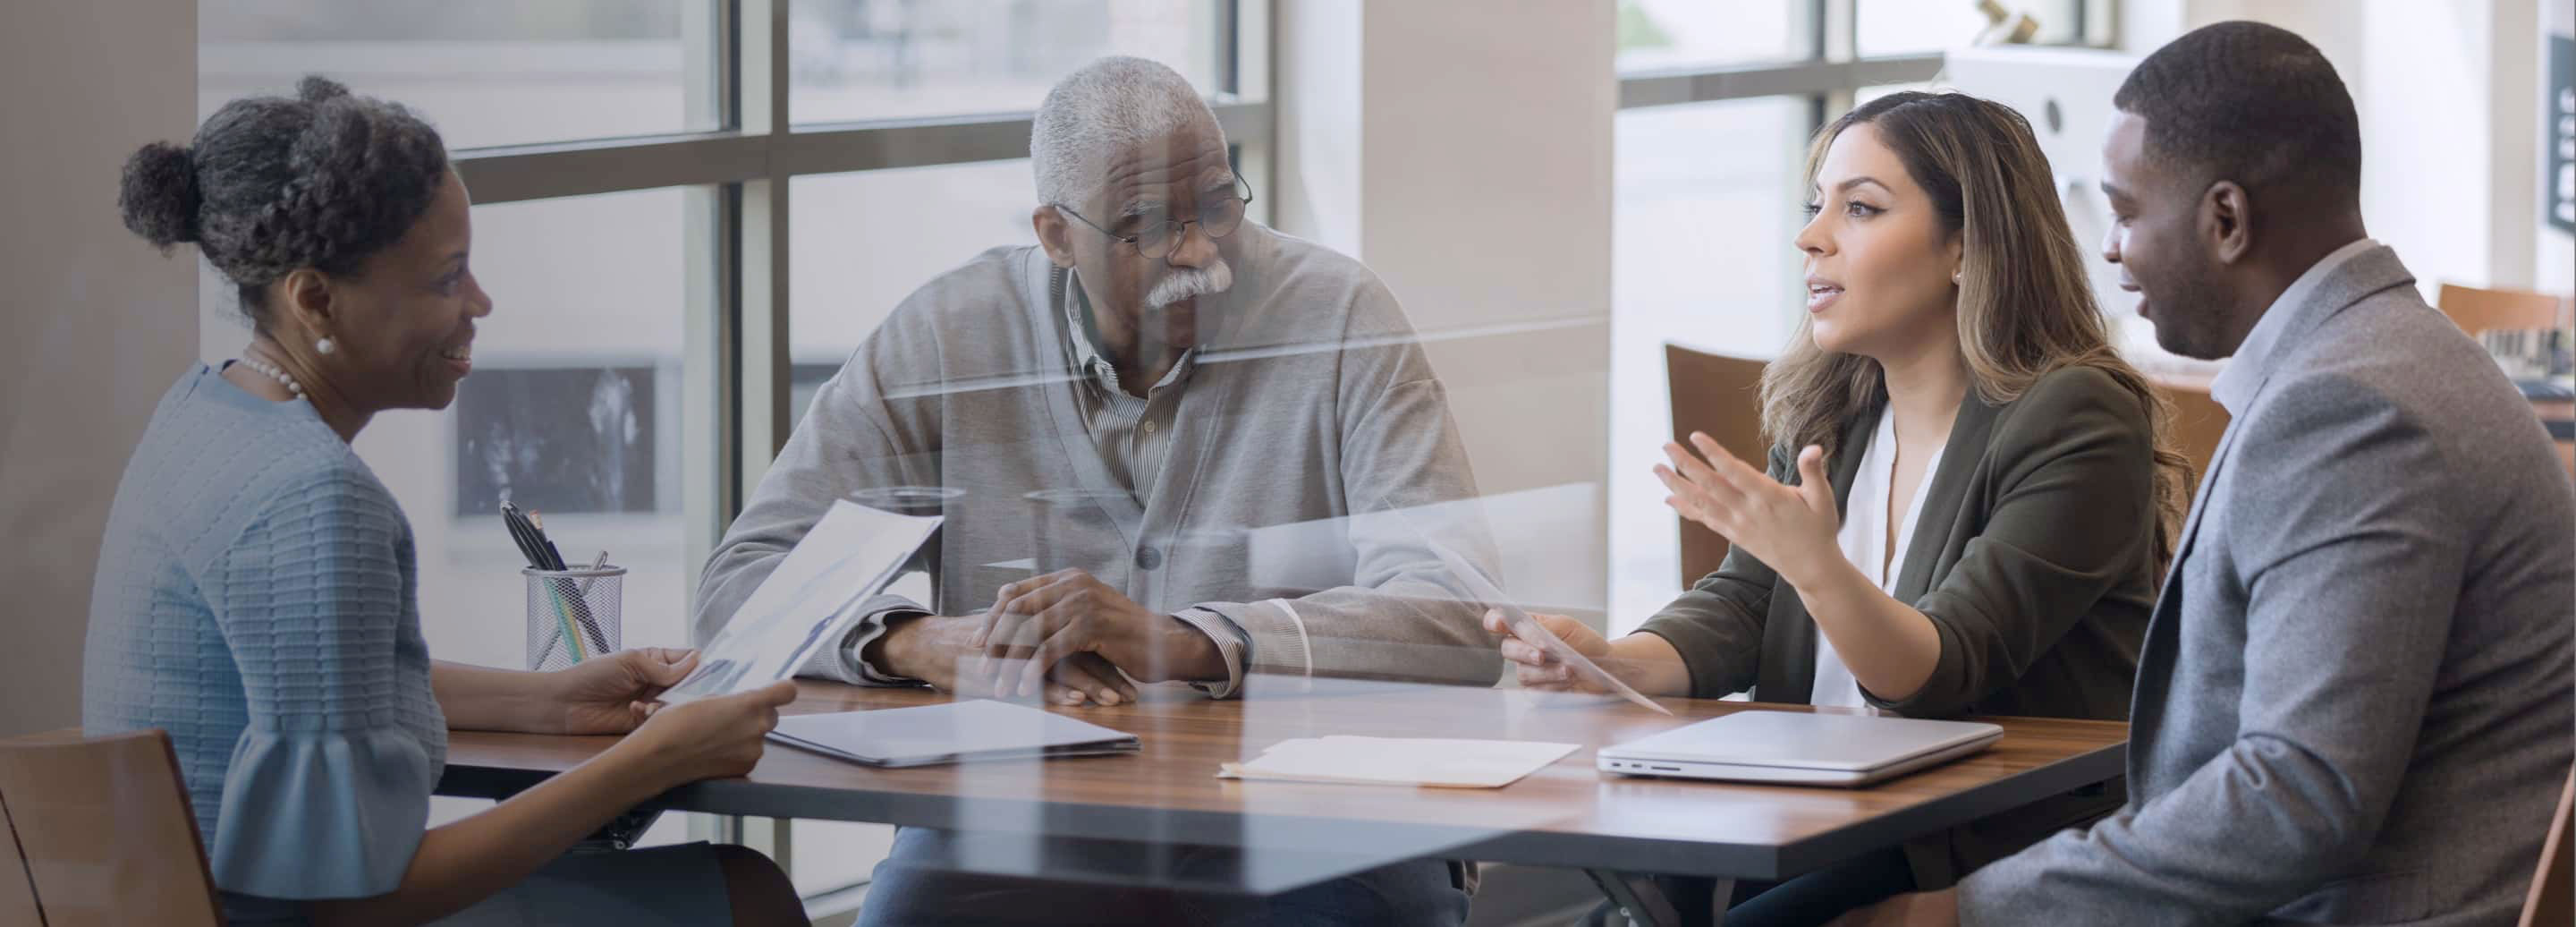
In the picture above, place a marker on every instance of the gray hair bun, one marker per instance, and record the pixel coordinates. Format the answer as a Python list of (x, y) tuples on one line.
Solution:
[(158, 194), (270, 184), (315, 88)]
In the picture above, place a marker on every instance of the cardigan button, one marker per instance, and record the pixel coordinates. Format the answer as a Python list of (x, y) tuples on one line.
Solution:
[(1147, 558)]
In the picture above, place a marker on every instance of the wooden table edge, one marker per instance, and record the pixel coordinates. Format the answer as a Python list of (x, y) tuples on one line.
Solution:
[(1524, 846)]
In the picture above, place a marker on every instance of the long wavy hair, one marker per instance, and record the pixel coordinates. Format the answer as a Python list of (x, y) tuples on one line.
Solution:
[(2025, 307)]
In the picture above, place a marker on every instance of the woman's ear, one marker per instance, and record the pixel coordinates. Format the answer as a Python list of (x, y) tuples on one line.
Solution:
[(305, 296)]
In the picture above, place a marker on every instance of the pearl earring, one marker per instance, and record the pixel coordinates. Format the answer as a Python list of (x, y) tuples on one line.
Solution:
[(324, 346)]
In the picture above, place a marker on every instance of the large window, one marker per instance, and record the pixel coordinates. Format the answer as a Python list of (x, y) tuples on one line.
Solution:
[(687, 212), (1659, 34), (1704, 210), (872, 59), (1717, 101), (486, 72), (1907, 27), (850, 265)]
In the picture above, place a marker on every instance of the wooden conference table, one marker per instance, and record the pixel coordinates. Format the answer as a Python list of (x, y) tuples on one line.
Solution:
[(1567, 815)]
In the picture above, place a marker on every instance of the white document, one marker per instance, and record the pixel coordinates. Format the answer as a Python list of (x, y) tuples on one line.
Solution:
[(809, 601), (1530, 631), (1440, 763)]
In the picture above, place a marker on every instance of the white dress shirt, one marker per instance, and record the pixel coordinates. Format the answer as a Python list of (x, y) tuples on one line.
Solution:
[(2234, 385), (1864, 543)]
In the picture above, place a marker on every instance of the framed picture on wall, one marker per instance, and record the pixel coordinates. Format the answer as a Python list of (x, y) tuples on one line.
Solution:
[(558, 440)]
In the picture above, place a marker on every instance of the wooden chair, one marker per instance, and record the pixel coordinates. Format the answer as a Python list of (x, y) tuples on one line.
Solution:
[(2478, 311), (2553, 888), (17, 896), (2198, 422), (105, 831), (1722, 396)]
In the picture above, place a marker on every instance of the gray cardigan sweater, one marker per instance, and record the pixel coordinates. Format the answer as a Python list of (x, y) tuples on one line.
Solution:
[(1310, 402)]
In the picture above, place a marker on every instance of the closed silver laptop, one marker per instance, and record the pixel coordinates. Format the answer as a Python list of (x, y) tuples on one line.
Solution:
[(1799, 748)]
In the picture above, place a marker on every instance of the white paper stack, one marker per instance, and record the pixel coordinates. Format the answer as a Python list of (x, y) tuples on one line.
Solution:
[(1439, 763)]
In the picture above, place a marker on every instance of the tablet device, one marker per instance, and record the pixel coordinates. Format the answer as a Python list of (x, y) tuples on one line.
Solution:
[(956, 732), (1530, 631)]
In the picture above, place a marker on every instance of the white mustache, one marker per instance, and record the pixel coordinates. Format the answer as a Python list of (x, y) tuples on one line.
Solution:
[(1185, 282)]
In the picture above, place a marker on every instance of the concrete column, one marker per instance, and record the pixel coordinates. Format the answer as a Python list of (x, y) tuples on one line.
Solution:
[(1462, 150), (97, 326)]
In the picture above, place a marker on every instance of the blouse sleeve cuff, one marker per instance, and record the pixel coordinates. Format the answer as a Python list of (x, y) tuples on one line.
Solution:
[(321, 814)]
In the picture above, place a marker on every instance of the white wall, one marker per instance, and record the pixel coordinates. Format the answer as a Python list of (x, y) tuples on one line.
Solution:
[(2449, 95), (2429, 179), (1462, 150), (97, 324)]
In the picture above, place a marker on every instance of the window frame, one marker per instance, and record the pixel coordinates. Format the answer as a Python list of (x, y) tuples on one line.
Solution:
[(1833, 69), (735, 390)]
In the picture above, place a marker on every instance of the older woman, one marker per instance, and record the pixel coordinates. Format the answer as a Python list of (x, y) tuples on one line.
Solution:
[(255, 594)]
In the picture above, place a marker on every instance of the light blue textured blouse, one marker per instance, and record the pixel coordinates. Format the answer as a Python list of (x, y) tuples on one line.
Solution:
[(255, 598)]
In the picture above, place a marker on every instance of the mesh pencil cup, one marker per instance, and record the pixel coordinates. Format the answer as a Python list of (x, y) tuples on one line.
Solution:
[(572, 614)]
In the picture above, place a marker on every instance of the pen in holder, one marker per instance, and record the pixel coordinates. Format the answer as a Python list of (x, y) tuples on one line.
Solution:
[(572, 614)]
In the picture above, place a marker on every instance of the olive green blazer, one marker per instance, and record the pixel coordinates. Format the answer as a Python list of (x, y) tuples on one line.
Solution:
[(2033, 557)]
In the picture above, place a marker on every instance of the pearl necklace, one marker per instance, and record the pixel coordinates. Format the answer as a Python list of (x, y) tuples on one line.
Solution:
[(293, 388)]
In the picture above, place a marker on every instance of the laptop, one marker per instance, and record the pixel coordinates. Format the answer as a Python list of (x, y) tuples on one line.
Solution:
[(955, 732), (1799, 748)]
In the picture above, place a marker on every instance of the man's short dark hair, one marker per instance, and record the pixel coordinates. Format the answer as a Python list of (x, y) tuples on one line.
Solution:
[(2250, 103)]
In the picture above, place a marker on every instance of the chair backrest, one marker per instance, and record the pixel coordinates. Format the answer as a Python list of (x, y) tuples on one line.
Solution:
[(106, 832), (2478, 311), (2553, 888), (17, 896), (1722, 396), (2198, 422)]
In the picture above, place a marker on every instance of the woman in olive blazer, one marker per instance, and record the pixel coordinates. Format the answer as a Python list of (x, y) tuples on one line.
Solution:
[(2027, 564), (2031, 562), (1969, 497)]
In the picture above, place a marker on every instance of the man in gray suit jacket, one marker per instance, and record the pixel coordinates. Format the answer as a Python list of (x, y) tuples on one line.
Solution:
[(2353, 701)]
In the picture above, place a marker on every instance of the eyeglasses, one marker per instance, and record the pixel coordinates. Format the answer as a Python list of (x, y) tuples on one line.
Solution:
[(1218, 218)]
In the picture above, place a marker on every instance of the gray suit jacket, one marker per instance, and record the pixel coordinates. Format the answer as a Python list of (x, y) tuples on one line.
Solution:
[(2353, 704)]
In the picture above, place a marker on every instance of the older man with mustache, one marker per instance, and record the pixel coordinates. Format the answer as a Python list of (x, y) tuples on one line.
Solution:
[(1124, 401)]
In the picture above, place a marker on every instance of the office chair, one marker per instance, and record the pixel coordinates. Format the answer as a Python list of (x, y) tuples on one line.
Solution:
[(1722, 396), (103, 833)]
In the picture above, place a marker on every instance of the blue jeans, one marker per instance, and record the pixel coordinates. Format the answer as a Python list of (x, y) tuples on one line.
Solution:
[(1809, 899), (905, 891), (1824, 894)]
